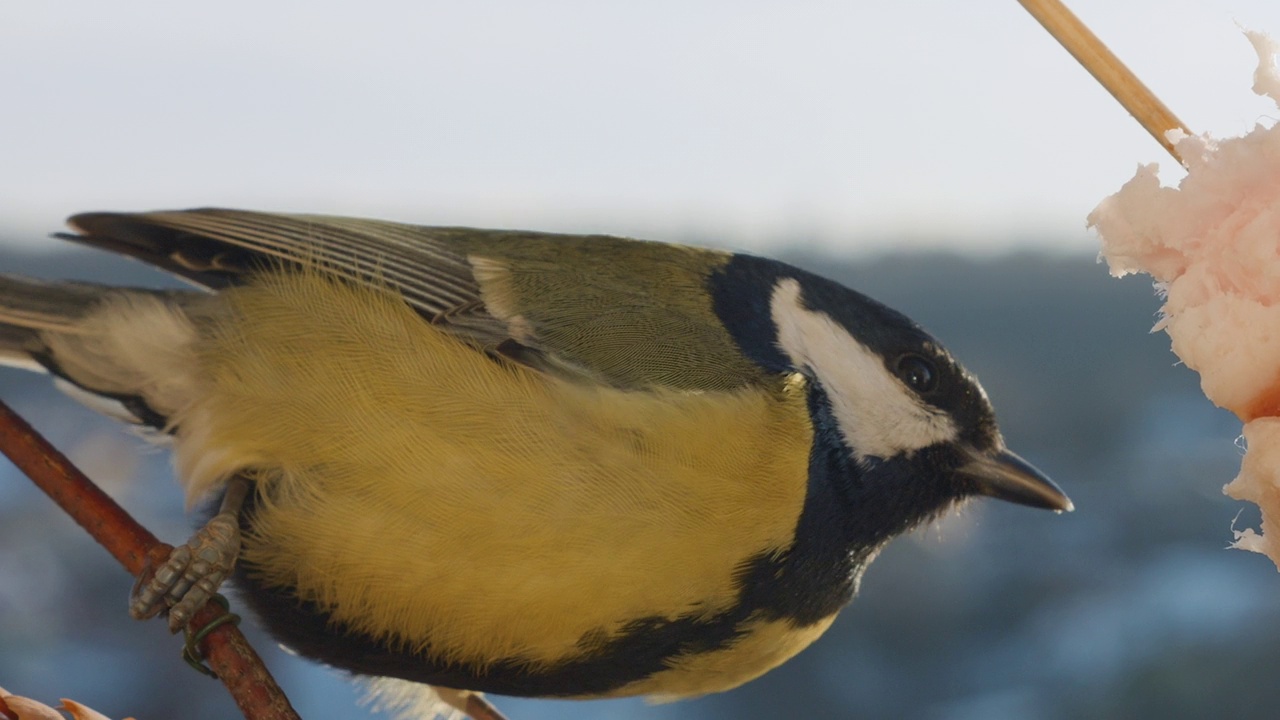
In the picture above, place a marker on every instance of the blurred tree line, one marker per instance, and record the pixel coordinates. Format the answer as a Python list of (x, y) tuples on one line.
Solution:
[(1128, 607)]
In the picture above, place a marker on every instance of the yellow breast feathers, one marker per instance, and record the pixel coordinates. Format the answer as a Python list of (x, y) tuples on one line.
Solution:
[(474, 506)]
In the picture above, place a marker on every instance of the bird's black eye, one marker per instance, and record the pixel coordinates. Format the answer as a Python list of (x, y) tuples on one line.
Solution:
[(918, 373)]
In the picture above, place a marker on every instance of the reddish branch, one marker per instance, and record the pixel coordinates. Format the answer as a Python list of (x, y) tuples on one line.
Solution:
[(225, 649)]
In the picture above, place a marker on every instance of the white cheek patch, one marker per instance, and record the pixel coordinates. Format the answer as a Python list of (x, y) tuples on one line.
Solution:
[(878, 415)]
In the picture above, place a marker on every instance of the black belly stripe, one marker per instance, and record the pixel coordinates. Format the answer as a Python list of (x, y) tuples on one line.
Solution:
[(842, 525), (799, 585), (604, 664)]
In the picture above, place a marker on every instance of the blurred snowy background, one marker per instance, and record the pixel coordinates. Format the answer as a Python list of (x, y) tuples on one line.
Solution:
[(939, 156)]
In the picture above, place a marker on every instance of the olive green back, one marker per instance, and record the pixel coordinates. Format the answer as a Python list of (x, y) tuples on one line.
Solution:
[(626, 313)]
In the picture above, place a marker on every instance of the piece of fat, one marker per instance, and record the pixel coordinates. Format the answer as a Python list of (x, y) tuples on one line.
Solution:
[(1212, 243)]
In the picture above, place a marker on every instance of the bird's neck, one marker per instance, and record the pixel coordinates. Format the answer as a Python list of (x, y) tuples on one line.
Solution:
[(851, 510)]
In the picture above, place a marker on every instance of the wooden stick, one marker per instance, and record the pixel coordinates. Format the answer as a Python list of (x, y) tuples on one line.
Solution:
[(1107, 69)]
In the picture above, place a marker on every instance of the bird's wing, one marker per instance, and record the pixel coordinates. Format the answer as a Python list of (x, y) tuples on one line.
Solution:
[(592, 308)]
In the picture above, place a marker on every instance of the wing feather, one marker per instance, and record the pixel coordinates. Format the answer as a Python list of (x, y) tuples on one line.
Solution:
[(623, 312)]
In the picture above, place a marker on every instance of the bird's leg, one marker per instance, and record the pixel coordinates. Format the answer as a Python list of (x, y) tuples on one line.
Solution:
[(194, 571)]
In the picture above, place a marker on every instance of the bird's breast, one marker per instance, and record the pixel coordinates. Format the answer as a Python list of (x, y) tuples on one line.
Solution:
[(475, 514)]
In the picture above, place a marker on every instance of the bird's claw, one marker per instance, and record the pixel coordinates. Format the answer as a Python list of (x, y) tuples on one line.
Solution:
[(191, 574)]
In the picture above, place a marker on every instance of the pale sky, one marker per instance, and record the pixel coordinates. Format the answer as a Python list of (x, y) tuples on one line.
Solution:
[(937, 122)]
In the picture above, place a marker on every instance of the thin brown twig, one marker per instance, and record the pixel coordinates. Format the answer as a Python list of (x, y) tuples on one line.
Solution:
[(225, 649), (1107, 69)]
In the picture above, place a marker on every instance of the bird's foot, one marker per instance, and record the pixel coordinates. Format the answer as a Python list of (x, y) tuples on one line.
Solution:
[(194, 571)]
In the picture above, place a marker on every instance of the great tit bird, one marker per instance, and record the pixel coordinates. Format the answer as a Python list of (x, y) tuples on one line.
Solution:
[(516, 462)]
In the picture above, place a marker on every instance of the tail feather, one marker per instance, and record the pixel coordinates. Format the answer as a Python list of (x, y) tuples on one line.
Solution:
[(30, 307), (18, 346), (99, 339), (45, 305)]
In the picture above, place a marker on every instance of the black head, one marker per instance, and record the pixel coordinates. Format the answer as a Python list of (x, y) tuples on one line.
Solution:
[(908, 428)]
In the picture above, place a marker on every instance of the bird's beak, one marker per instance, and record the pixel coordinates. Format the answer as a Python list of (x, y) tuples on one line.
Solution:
[(1006, 476)]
